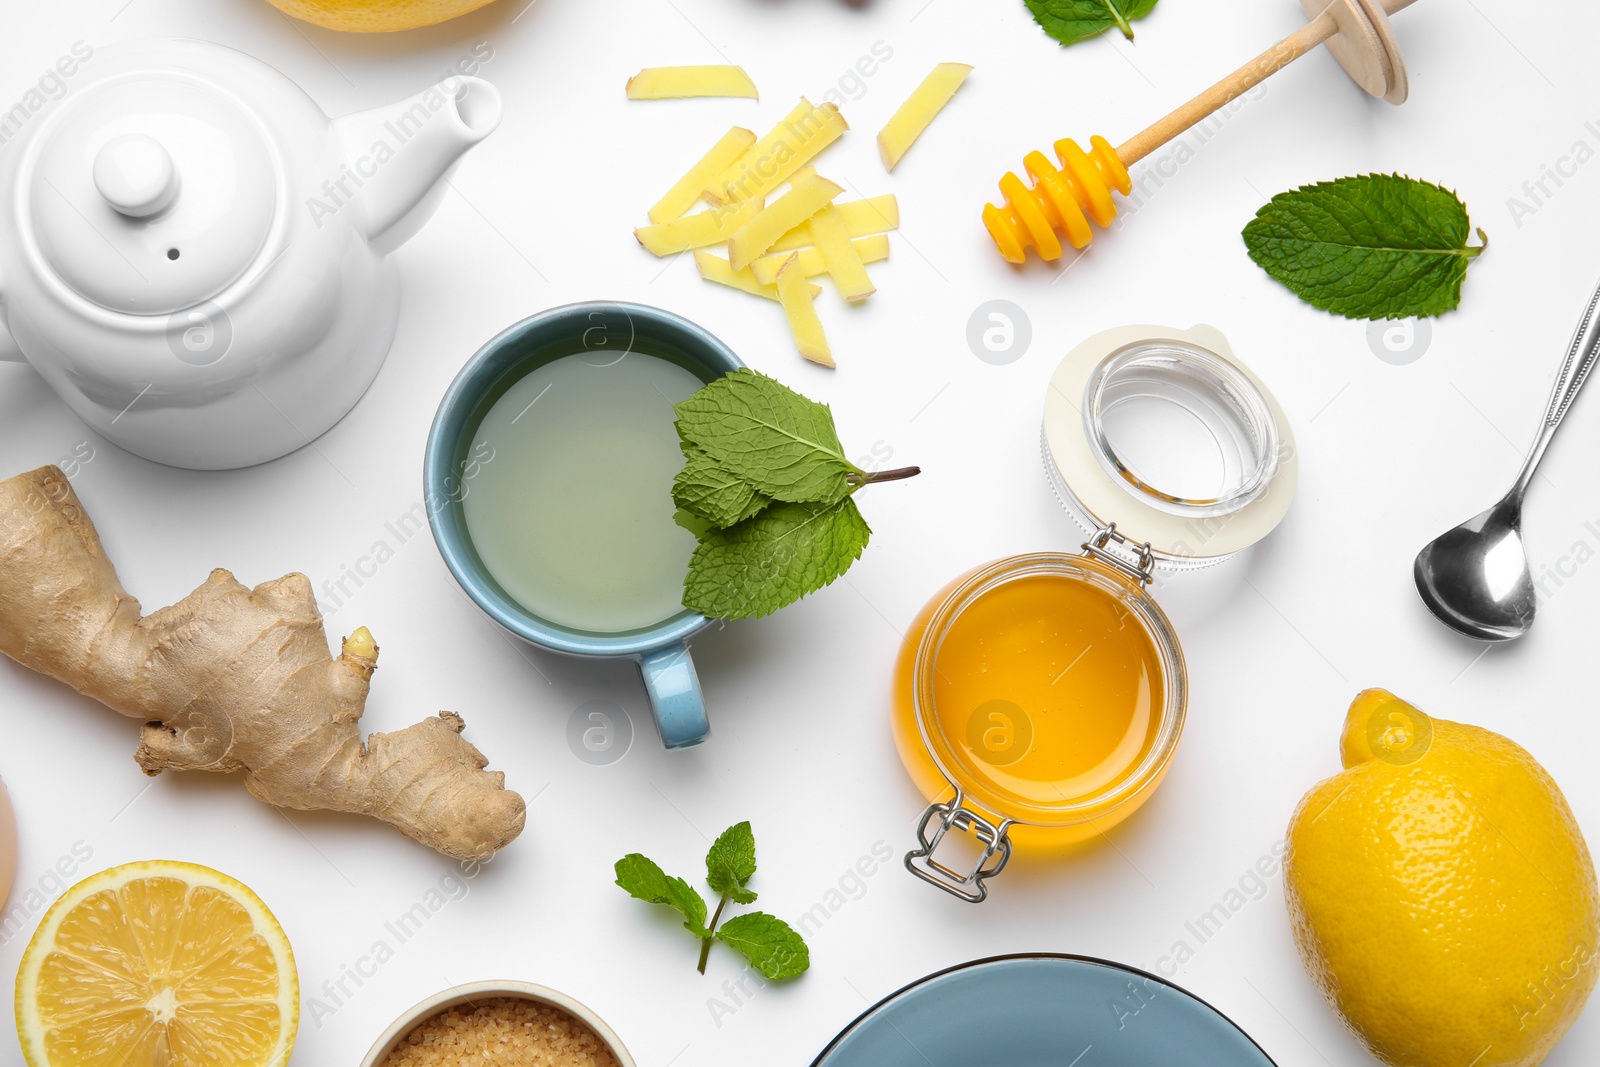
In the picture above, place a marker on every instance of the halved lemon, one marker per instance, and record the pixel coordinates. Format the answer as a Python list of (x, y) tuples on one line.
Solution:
[(376, 16), (158, 964)]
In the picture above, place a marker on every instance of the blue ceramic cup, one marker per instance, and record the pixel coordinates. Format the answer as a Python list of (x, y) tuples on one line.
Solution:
[(599, 331)]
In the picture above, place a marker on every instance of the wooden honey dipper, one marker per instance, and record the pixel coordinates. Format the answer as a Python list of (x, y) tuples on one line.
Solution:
[(1063, 199)]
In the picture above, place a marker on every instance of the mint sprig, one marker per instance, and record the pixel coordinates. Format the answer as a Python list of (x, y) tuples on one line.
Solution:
[(1378, 246), (772, 560), (1071, 21), (768, 492), (770, 944), (769, 436), (718, 496), (731, 863), (649, 883)]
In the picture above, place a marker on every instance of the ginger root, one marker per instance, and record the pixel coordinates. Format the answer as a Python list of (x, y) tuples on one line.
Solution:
[(235, 679)]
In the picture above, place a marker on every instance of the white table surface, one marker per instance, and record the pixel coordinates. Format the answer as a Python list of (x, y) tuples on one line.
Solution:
[(1390, 456)]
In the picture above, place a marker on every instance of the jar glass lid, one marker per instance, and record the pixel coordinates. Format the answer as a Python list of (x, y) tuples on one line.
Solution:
[(1165, 434)]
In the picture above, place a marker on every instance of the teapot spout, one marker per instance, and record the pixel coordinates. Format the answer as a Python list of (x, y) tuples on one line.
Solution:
[(399, 156)]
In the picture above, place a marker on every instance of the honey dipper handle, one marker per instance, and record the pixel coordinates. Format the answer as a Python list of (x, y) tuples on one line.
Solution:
[(1310, 37)]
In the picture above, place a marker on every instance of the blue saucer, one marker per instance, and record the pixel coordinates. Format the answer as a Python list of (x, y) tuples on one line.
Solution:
[(1042, 1011)]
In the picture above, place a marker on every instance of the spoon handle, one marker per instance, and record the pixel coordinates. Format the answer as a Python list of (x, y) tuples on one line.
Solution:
[(1582, 355)]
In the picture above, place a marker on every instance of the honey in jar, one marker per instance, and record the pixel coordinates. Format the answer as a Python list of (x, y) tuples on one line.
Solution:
[(1038, 699), (1048, 688)]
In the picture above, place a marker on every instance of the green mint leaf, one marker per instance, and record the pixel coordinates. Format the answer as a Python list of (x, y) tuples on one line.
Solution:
[(649, 883), (732, 862), (692, 522), (1379, 246), (770, 437), (768, 943), (769, 562), (1071, 21), (717, 495)]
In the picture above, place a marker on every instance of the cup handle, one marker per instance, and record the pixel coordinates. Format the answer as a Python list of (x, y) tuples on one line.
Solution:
[(675, 698)]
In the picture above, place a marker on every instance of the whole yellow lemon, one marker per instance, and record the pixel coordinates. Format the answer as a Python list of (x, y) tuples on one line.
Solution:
[(1442, 896), (376, 16)]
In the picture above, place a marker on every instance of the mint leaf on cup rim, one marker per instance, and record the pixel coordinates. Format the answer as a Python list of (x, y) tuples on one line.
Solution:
[(706, 489), (767, 491), (772, 560), (775, 440)]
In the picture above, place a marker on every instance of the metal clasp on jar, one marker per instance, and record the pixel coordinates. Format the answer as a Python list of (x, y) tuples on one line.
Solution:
[(1141, 568), (937, 821)]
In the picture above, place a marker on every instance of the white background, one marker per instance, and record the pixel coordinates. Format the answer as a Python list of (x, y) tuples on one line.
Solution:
[(1390, 455)]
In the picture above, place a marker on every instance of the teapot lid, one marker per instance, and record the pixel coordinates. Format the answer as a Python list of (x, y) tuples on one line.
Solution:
[(151, 191)]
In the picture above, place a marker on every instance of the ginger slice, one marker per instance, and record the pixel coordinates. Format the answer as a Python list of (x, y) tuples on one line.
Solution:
[(677, 83), (794, 294), (872, 249), (846, 268), (773, 160), (713, 268), (761, 232), (775, 143), (681, 197), (919, 111), (699, 230), (862, 218), (235, 679)]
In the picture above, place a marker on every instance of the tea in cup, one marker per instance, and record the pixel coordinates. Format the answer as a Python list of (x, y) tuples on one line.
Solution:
[(549, 480)]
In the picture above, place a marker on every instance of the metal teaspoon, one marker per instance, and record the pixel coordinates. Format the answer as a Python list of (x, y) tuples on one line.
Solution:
[(1475, 577)]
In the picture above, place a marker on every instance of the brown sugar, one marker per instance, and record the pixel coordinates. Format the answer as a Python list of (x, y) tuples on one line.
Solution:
[(503, 1031)]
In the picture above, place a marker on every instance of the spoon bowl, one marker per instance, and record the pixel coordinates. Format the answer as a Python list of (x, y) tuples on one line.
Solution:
[(1474, 577)]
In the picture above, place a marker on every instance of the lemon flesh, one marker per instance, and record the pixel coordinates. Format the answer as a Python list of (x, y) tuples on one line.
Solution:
[(158, 965), (376, 16), (1442, 895)]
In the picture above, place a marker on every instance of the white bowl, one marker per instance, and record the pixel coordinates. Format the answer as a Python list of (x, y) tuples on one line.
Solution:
[(463, 994)]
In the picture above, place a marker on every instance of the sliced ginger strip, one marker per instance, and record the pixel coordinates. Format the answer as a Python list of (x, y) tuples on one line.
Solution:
[(678, 83), (681, 197), (773, 160), (699, 230), (760, 233), (919, 111), (713, 268), (873, 249), (845, 266), (767, 148), (795, 295), (862, 218)]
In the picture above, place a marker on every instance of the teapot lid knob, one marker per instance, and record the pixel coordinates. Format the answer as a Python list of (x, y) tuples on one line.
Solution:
[(135, 175)]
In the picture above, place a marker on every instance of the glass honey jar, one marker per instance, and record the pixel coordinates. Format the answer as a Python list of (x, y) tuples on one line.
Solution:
[(1039, 699)]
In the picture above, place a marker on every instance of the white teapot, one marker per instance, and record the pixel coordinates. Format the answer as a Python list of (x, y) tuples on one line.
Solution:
[(195, 257)]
